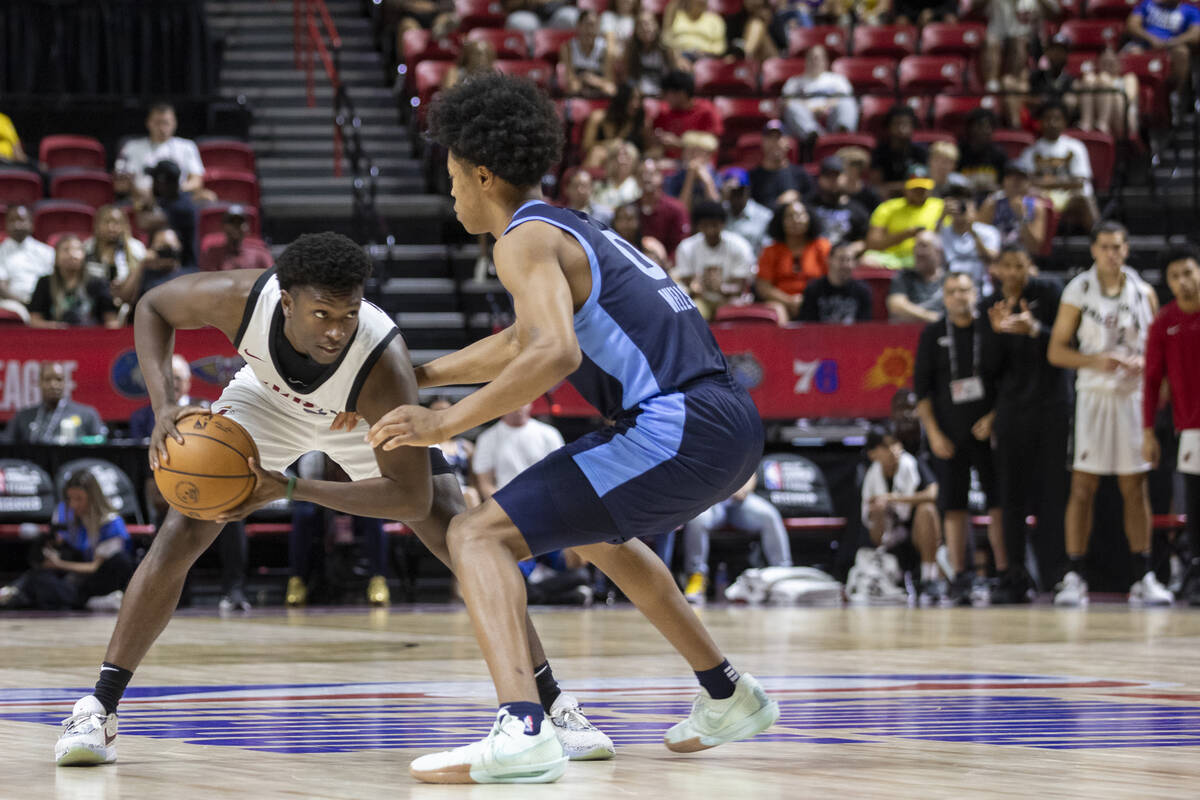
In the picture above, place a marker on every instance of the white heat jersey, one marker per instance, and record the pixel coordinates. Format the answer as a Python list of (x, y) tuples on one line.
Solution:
[(1110, 324), (337, 389)]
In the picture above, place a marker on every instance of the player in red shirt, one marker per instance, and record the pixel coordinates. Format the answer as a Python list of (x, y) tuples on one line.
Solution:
[(1171, 353)]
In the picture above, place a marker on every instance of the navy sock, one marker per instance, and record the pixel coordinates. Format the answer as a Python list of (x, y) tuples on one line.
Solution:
[(547, 687), (1141, 565), (719, 681), (111, 686), (1077, 564), (529, 713)]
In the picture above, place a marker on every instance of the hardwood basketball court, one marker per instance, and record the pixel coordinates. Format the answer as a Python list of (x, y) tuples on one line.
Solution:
[(877, 703)]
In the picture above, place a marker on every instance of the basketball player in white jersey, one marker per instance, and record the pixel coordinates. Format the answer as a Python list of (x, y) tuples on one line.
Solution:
[(318, 357), (1109, 310)]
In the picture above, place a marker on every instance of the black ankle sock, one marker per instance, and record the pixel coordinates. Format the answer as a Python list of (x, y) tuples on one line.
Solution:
[(719, 681), (547, 687), (1141, 565), (111, 686), (530, 713), (1076, 564)]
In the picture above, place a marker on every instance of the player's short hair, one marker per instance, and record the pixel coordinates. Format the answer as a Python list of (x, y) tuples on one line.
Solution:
[(1109, 226), (500, 122), (1181, 252), (707, 209), (326, 260)]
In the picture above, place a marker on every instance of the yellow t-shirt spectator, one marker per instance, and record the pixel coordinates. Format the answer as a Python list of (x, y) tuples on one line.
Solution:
[(897, 214), (8, 138), (703, 35)]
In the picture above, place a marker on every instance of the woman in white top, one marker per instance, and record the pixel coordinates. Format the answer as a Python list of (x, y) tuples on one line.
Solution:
[(588, 65), (619, 186)]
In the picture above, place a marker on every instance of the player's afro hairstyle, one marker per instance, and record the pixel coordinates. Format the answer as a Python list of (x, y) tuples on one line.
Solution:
[(327, 260), (500, 122)]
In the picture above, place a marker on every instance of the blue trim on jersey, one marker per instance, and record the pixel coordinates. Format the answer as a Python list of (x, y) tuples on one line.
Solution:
[(593, 262), (653, 439)]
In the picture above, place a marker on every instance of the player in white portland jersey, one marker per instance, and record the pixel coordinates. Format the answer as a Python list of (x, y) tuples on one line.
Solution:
[(340, 359), (1109, 310)]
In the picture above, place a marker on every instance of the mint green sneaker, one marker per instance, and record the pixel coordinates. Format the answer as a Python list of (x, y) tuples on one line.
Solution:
[(746, 712), (506, 755)]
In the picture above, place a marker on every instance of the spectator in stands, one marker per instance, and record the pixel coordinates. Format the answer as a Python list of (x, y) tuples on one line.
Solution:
[(113, 252), (838, 298), (906, 425), (529, 15), (577, 194), (695, 32), (915, 294), (1011, 25), (617, 24), (164, 262), (23, 260), (818, 99), (799, 253), (748, 32), (619, 185), (476, 57), (458, 452), (857, 162), (1111, 103), (684, 112), (435, 16), (509, 447), (1061, 167), (899, 497), (1015, 211), (969, 245), (896, 154), (68, 296), (648, 60), (236, 250), (943, 158), (622, 120), (956, 409), (12, 154), (1031, 426), (774, 174), (141, 421), (137, 159), (627, 222), (55, 419), (745, 512), (747, 217), (923, 12), (1172, 26), (842, 219), (715, 265), (895, 223), (978, 156), (866, 12), (663, 217), (587, 61), (696, 180), (176, 208), (86, 564), (1049, 81)]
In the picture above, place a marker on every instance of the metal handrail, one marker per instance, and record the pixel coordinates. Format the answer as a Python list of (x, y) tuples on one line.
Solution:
[(308, 44)]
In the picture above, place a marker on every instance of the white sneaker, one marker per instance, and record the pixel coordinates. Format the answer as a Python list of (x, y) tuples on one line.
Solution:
[(712, 722), (1149, 592), (89, 735), (1073, 591), (506, 755), (580, 739), (106, 602)]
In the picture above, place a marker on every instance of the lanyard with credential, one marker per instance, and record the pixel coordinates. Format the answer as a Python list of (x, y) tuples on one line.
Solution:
[(952, 349)]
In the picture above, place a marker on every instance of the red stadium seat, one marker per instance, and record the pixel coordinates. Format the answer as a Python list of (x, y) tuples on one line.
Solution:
[(829, 143), (8, 317), (1013, 143), (755, 312), (506, 43), (1052, 216), (233, 185), (879, 280), (950, 112), (891, 41), (479, 14), (20, 187), (62, 216), (575, 112), (210, 217), (742, 115), (972, 11), (831, 37), (930, 74), (1092, 35), (427, 79), (64, 150), (867, 74), (1152, 69), (1069, 9), (226, 154), (537, 71), (726, 8), (92, 186), (1102, 152), (716, 77), (547, 43), (1110, 9), (748, 151), (964, 39), (419, 45), (1079, 64), (776, 71)]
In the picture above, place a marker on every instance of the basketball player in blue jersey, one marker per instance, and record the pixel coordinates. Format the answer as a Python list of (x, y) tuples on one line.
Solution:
[(317, 357), (590, 309)]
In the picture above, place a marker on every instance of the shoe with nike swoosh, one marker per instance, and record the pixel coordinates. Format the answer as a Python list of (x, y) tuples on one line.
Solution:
[(506, 755), (713, 722), (89, 736)]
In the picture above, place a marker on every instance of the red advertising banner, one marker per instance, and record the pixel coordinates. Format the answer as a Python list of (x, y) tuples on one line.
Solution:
[(806, 370), (101, 366)]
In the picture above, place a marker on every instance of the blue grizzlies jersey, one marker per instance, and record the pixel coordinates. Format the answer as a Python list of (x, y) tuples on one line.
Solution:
[(640, 333)]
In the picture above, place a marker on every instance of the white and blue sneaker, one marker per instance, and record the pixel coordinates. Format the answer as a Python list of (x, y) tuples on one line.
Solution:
[(89, 735), (748, 711), (506, 755), (580, 739)]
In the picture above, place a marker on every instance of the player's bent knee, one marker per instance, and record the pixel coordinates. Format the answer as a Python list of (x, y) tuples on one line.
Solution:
[(484, 525)]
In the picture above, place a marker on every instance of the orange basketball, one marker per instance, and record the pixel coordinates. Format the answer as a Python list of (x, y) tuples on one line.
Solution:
[(207, 474)]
